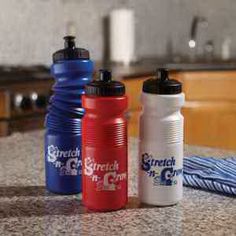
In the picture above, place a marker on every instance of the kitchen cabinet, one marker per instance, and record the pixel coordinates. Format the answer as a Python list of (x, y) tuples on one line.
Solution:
[(4, 111), (209, 110), (133, 90)]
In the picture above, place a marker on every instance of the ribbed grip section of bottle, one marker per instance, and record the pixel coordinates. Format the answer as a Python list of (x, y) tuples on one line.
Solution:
[(108, 134), (161, 120), (65, 106), (172, 131), (161, 131), (104, 123)]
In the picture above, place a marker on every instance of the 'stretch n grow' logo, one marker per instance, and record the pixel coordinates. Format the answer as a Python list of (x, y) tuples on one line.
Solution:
[(67, 162), (162, 171), (54, 153)]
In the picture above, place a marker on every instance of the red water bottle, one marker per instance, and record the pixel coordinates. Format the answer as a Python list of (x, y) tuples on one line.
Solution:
[(104, 145)]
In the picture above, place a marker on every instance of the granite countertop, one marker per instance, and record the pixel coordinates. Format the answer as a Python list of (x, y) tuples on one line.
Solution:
[(27, 209)]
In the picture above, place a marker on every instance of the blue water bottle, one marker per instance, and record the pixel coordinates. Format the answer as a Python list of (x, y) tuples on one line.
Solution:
[(72, 70)]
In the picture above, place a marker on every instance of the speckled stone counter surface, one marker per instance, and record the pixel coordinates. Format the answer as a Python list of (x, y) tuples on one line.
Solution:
[(27, 209)]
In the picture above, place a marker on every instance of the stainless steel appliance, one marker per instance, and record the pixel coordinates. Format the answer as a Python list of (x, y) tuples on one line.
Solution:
[(24, 94)]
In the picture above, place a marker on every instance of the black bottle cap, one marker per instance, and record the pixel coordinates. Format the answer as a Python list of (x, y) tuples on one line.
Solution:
[(162, 84), (105, 86), (70, 52)]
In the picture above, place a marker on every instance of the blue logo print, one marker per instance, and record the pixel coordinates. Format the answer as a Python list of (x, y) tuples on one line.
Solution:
[(161, 170)]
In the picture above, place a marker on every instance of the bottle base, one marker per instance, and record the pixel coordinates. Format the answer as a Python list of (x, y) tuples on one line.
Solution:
[(94, 209), (62, 192), (159, 204)]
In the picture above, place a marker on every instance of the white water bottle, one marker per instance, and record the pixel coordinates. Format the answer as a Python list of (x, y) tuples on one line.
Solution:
[(161, 141)]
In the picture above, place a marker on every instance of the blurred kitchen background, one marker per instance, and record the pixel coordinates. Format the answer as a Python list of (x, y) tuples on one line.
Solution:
[(196, 40)]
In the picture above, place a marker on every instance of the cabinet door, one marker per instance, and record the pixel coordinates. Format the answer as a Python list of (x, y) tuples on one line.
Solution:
[(210, 108), (210, 124), (4, 104), (4, 112), (133, 90), (208, 85), (133, 123)]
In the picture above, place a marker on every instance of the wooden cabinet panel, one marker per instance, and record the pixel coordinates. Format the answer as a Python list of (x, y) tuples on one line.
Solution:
[(4, 104), (210, 124), (210, 85), (133, 123), (133, 91), (4, 128)]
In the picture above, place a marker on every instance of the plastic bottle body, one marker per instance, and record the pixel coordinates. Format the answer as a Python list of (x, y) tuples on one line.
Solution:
[(161, 149), (104, 153), (63, 162)]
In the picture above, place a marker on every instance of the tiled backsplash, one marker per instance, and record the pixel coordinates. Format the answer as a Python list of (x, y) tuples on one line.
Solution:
[(31, 30)]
